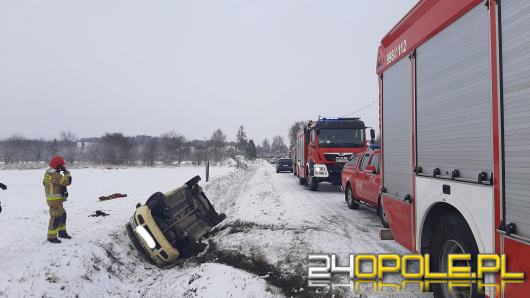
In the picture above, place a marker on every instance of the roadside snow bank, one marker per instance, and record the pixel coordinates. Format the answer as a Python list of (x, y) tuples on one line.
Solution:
[(239, 161), (210, 280)]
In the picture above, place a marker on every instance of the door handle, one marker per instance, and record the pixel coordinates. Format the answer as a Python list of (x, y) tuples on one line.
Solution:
[(408, 198)]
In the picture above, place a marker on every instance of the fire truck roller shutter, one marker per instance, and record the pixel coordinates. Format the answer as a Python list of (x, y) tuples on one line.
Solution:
[(397, 129), (515, 22), (453, 99)]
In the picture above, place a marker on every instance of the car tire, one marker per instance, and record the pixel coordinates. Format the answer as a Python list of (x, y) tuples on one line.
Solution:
[(277, 171), (154, 200), (382, 214), (351, 199), (453, 235), (312, 183)]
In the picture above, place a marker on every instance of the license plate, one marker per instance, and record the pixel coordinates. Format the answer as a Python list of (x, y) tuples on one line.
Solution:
[(341, 159)]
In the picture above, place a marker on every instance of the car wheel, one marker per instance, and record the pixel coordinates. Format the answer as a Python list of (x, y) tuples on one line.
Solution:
[(277, 171), (312, 183), (350, 199), (453, 236), (382, 214), (154, 200)]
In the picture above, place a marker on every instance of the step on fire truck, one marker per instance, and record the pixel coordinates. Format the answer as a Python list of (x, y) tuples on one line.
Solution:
[(323, 146), (454, 85)]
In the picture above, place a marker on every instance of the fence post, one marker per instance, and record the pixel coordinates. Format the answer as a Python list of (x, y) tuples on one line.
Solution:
[(207, 170)]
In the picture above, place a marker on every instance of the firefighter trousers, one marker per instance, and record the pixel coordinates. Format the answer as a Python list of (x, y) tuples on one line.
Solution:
[(57, 219)]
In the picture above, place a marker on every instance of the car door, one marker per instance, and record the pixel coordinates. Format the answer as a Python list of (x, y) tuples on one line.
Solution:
[(371, 184), (360, 177)]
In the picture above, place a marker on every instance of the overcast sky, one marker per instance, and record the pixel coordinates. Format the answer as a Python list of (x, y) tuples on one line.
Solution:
[(147, 67)]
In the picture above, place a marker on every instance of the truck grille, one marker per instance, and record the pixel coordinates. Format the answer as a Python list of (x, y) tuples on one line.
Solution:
[(342, 157), (335, 168)]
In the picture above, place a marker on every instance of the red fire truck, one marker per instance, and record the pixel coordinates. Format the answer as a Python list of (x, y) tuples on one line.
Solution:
[(454, 85), (323, 146)]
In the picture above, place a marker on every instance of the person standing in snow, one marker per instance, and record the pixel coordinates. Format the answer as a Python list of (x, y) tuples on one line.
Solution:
[(55, 185), (3, 187)]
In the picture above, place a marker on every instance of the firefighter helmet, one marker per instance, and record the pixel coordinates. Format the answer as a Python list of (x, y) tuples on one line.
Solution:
[(57, 162)]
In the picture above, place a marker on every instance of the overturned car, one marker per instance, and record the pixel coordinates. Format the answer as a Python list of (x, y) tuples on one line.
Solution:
[(168, 226)]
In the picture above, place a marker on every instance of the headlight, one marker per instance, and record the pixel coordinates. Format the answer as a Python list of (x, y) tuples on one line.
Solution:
[(145, 236), (320, 170)]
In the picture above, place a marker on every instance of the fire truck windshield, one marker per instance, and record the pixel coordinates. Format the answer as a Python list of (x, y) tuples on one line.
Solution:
[(341, 138)]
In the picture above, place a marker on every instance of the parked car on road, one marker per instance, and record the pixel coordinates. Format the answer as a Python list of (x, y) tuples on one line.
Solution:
[(361, 182), (284, 165)]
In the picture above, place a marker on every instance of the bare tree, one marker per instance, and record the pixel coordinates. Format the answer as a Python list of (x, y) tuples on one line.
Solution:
[(37, 149), (112, 148), (241, 138), (265, 149), (68, 146), (251, 149), (172, 147), (293, 132), (13, 148), (150, 151), (278, 146), (217, 142)]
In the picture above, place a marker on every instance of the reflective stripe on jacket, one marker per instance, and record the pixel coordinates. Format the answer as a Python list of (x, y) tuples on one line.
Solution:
[(55, 184)]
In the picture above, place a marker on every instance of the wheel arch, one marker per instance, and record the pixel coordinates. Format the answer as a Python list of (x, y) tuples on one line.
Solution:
[(433, 215), (348, 184)]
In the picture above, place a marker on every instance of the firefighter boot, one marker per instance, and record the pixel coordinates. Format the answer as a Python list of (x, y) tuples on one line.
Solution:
[(64, 234), (57, 221)]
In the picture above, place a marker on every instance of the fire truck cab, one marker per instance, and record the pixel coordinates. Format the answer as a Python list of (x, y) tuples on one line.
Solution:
[(454, 85), (323, 146)]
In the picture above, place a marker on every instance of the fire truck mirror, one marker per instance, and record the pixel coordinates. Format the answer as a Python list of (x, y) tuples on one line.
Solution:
[(372, 134)]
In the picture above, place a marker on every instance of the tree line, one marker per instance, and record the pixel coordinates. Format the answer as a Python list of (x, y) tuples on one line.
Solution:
[(170, 148)]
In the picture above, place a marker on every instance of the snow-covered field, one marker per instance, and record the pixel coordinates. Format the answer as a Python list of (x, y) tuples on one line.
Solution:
[(260, 250)]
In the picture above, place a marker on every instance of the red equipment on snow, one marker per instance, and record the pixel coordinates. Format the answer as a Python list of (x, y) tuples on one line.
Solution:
[(113, 196)]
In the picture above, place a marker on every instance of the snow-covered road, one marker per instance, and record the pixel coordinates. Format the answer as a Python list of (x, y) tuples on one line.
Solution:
[(278, 222), (260, 250)]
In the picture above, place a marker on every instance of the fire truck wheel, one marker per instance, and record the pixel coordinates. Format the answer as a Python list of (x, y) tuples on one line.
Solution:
[(453, 236), (382, 215), (312, 183), (301, 180), (350, 199)]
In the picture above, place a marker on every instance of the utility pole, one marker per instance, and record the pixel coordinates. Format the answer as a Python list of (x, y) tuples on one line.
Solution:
[(206, 160)]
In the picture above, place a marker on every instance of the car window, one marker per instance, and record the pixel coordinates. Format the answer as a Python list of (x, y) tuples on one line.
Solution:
[(366, 157), (352, 161), (285, 161), (375, 162)]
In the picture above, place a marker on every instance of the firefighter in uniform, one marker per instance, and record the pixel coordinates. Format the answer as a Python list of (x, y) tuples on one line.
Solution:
[(56, 193)]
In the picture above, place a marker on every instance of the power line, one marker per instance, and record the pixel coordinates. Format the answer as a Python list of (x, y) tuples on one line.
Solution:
[(356, 111)]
